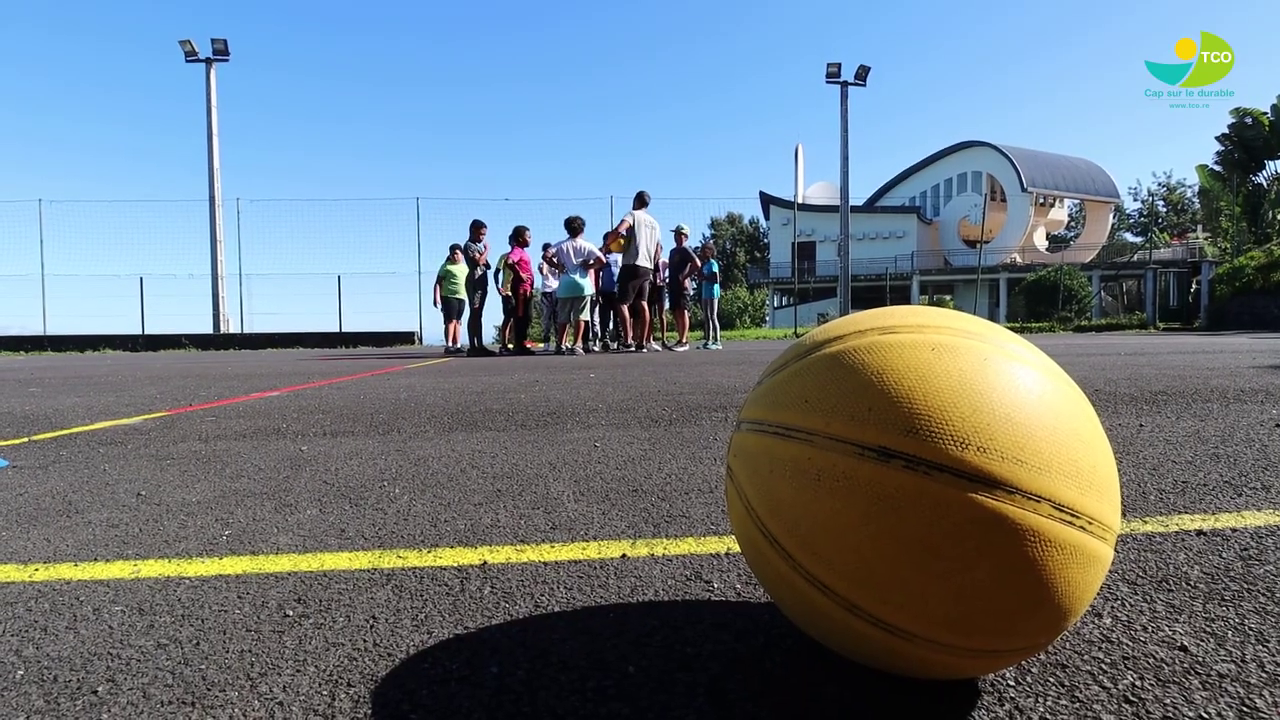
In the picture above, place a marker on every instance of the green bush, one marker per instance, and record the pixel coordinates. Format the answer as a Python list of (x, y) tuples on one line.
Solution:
[(1059, 293), (742, 308), (1034, 328), (942, 301), (1255, 272), (1132, 321)]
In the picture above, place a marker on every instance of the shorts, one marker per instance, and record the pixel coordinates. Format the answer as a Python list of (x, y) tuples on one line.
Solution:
[(633, 284), (452, 308), (571, 310), (678, 296), (657, 298), (508, 307), (477, 292)]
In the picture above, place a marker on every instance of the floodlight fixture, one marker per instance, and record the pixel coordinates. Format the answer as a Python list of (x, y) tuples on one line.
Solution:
[(190, 52), (860, 75), (223, 51), (833, 71)]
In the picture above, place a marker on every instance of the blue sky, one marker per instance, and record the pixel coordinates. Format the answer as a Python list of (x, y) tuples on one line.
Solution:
[(334, 117)]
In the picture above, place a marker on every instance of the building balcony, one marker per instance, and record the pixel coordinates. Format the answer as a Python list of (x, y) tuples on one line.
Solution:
[(936, 261)]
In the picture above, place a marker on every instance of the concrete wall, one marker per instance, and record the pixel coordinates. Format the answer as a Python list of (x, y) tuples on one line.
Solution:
[(808, 312), (880, 241)]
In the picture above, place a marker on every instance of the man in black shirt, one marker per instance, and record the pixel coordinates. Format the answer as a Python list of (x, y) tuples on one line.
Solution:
[(682, 265)]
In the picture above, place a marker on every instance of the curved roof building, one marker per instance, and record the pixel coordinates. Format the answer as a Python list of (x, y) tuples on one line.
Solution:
[(969, 203)]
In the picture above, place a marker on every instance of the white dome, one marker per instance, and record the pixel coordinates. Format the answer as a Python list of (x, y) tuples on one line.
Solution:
[(822, 193)]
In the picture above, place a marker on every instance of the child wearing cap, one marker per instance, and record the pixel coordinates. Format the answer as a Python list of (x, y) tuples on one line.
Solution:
[(682, 267)]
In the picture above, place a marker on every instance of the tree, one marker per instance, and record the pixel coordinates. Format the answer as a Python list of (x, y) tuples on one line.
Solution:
[(740, 243), (1071, 231), (1115, 246), (1240, 188), (1057, 292), (1167, 208)]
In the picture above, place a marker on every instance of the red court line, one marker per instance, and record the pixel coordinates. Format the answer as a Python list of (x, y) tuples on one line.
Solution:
[(293, 388)]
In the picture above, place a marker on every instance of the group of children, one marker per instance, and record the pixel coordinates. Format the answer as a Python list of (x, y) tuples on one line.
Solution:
[(578, 292)]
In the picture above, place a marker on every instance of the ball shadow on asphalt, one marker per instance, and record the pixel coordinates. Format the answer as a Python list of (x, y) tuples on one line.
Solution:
[(670, 659)]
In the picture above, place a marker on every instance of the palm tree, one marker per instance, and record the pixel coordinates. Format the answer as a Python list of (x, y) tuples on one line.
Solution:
[(1240, 189)]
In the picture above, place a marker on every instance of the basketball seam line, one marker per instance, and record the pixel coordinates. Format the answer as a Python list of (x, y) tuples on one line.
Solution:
[(887, 456), (848, 605), (863, 334)]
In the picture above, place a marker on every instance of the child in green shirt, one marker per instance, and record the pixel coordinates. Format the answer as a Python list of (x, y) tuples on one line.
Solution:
[(451, 297)]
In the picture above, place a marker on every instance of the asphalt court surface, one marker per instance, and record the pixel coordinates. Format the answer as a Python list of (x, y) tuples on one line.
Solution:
[(529, 450)]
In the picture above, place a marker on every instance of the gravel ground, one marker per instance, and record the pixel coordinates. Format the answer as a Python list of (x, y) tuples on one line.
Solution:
[(1188, 624)]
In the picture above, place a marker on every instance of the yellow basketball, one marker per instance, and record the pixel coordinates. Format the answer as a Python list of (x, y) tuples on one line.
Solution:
[(924, 491), (617, 243)]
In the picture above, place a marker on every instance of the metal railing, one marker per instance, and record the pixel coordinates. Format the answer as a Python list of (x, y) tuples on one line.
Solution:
[(1105, 255)]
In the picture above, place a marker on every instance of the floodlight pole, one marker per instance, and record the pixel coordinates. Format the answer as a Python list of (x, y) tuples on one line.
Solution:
[(846, 272), (217, 242), (844, 247)]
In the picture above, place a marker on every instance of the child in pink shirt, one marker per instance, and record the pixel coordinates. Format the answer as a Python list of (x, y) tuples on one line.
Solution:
[(521, 287)]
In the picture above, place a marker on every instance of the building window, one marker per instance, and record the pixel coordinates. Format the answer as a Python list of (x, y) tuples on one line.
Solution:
[(975, 181), (962, 183), (935, 200), (924, 203), (946, 192)]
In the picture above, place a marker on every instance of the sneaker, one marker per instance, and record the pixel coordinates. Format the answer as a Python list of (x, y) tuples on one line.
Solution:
[(625, 347), (560, 350), (606, 346), (575, 350), (706, 345), (655, 346), (716, 346), (680, 347)]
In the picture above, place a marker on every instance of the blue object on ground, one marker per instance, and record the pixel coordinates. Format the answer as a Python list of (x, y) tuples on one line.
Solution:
[(3, 463)]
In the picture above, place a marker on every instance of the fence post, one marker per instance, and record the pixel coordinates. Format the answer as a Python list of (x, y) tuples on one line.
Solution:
[(418, 281), (339, 303), (44, 302), (142, 304), (239, 267)]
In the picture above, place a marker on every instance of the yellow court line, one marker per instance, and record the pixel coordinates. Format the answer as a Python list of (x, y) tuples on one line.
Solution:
[(83, 428), (217, 403), (450, 557)]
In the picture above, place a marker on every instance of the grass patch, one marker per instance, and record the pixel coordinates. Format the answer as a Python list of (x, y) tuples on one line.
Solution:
[(748, 334)]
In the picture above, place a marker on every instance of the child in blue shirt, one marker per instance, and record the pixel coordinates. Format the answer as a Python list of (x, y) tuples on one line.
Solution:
[(610, 332), (710, 293)]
